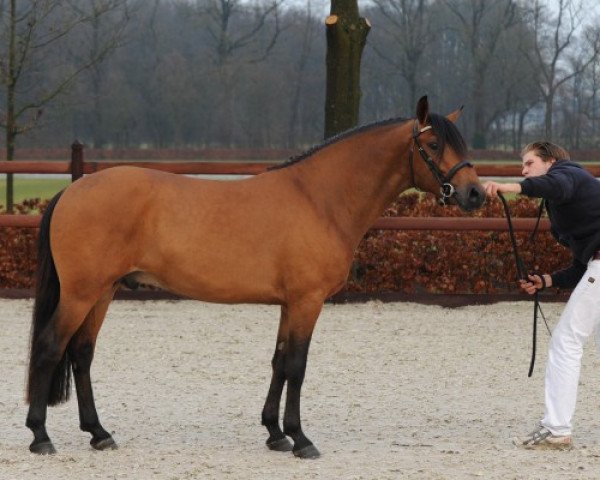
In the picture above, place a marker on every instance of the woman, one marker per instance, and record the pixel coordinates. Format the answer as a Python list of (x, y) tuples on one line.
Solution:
[(573, 203)]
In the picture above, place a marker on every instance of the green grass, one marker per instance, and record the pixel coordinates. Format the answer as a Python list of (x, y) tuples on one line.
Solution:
[(26, 188)]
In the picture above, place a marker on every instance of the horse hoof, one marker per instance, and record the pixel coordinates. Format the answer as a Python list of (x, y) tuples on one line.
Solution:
[(104, 444), (310, 451), (281, 445), (42, 448)]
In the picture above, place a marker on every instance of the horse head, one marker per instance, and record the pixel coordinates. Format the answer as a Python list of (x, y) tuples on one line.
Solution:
[(438, 160)]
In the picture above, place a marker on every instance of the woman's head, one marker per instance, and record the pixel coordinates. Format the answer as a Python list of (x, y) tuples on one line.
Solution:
[(538, 157)]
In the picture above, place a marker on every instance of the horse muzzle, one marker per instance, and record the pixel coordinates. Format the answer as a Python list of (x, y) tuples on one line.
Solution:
[(469, 197)]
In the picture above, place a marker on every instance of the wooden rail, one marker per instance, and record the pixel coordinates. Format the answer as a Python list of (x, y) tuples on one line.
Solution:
[(77, 167), (213, 168), (383, 223), (189, 168), (458, 224)]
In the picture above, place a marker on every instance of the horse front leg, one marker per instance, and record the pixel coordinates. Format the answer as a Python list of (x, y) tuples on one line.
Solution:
[(303, 317), (270, 415)]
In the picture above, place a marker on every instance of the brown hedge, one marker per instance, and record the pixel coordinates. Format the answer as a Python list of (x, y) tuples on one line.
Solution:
[(450, 262), (386, 261)]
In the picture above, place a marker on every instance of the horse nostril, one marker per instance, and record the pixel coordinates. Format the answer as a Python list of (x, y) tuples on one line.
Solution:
[(476, 196)]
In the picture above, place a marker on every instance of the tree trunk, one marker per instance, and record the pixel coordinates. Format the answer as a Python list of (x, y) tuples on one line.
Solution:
[(10, 106), (346, 37), (548, 117), (479, 124)]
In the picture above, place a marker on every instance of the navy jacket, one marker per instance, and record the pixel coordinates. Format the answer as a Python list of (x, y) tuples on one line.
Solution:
[(573, 204)]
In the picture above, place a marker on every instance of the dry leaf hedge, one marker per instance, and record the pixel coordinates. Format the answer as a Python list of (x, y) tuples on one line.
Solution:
[(386, 261)]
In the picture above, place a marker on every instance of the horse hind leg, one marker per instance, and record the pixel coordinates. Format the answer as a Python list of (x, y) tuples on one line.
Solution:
[(81, 351), (50, 366)]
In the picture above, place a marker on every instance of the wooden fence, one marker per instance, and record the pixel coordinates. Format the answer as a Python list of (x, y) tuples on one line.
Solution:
[(78, 167)]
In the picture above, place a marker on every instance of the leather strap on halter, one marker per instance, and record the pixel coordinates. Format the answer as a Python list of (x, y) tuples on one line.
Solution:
[(447, 190)]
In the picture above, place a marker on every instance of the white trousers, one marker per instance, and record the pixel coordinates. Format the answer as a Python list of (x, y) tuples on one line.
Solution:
[(578, 321)]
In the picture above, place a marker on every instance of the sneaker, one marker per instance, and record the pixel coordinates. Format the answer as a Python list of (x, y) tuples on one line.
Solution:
[(543, 439)]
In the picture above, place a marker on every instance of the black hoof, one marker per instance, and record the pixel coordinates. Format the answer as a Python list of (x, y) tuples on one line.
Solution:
[(42, 448), (310, 451), (281, 445), (104, 444)]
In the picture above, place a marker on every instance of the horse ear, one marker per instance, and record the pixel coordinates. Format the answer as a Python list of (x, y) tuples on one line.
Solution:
[(422, 110), (453, 117)]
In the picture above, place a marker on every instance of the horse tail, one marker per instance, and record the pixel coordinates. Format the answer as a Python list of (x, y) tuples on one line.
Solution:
[(47, 296)]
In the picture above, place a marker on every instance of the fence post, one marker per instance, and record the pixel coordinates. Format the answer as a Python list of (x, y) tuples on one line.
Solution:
[(76, 160)]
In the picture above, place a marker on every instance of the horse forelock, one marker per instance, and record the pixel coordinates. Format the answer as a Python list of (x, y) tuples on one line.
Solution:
[(337, 138), (448, 134)]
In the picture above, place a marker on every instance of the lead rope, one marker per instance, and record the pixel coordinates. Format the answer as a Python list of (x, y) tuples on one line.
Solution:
[(522, 274)]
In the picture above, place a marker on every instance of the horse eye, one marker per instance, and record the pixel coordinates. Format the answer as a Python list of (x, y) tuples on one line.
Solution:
[(433, 146)]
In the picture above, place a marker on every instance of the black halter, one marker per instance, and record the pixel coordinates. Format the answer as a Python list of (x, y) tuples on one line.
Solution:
[(447, 190)]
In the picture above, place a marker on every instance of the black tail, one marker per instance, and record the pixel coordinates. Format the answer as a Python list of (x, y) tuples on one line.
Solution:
[(47, 295)]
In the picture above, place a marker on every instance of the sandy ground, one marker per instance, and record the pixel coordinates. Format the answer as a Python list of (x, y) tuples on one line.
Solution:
[(393, 390)]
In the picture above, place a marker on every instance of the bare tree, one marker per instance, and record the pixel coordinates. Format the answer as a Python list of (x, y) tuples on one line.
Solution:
[(481, 24), (308, 30), (554, 45), (106, 32), (229, 35), (511, 90), (220, 18), (29, 29), (408, 26)]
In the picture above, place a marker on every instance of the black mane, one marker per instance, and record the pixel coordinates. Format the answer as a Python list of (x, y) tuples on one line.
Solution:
[(445, 130), (336, 138)]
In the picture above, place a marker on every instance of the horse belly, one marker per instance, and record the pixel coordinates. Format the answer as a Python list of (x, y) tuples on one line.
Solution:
[(217, 279)]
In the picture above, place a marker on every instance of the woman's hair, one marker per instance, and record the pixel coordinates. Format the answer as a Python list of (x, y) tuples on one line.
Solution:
[(546, 151)]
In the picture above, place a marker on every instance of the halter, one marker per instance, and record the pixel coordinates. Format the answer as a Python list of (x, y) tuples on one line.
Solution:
[(447, 190)]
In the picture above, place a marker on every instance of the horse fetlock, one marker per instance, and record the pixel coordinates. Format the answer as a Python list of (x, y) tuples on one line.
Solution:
[(269, 418), (293, 429), (35, 421), (93, 427)]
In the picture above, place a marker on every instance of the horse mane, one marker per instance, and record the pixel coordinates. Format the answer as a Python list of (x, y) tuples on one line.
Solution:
[(445, 130), (335, 139)]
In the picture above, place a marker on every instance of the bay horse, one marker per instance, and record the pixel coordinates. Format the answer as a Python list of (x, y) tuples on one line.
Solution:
[(284, 237)]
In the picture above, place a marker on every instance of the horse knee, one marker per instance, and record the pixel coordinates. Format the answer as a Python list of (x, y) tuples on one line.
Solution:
[(269, 416), (291, 425), (35, 419)]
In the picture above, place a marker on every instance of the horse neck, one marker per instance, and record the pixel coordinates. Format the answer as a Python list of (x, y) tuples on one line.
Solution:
[(352, 181)]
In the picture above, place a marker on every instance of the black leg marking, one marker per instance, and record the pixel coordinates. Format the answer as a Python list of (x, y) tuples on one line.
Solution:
[(82, 355), (295, 368)]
